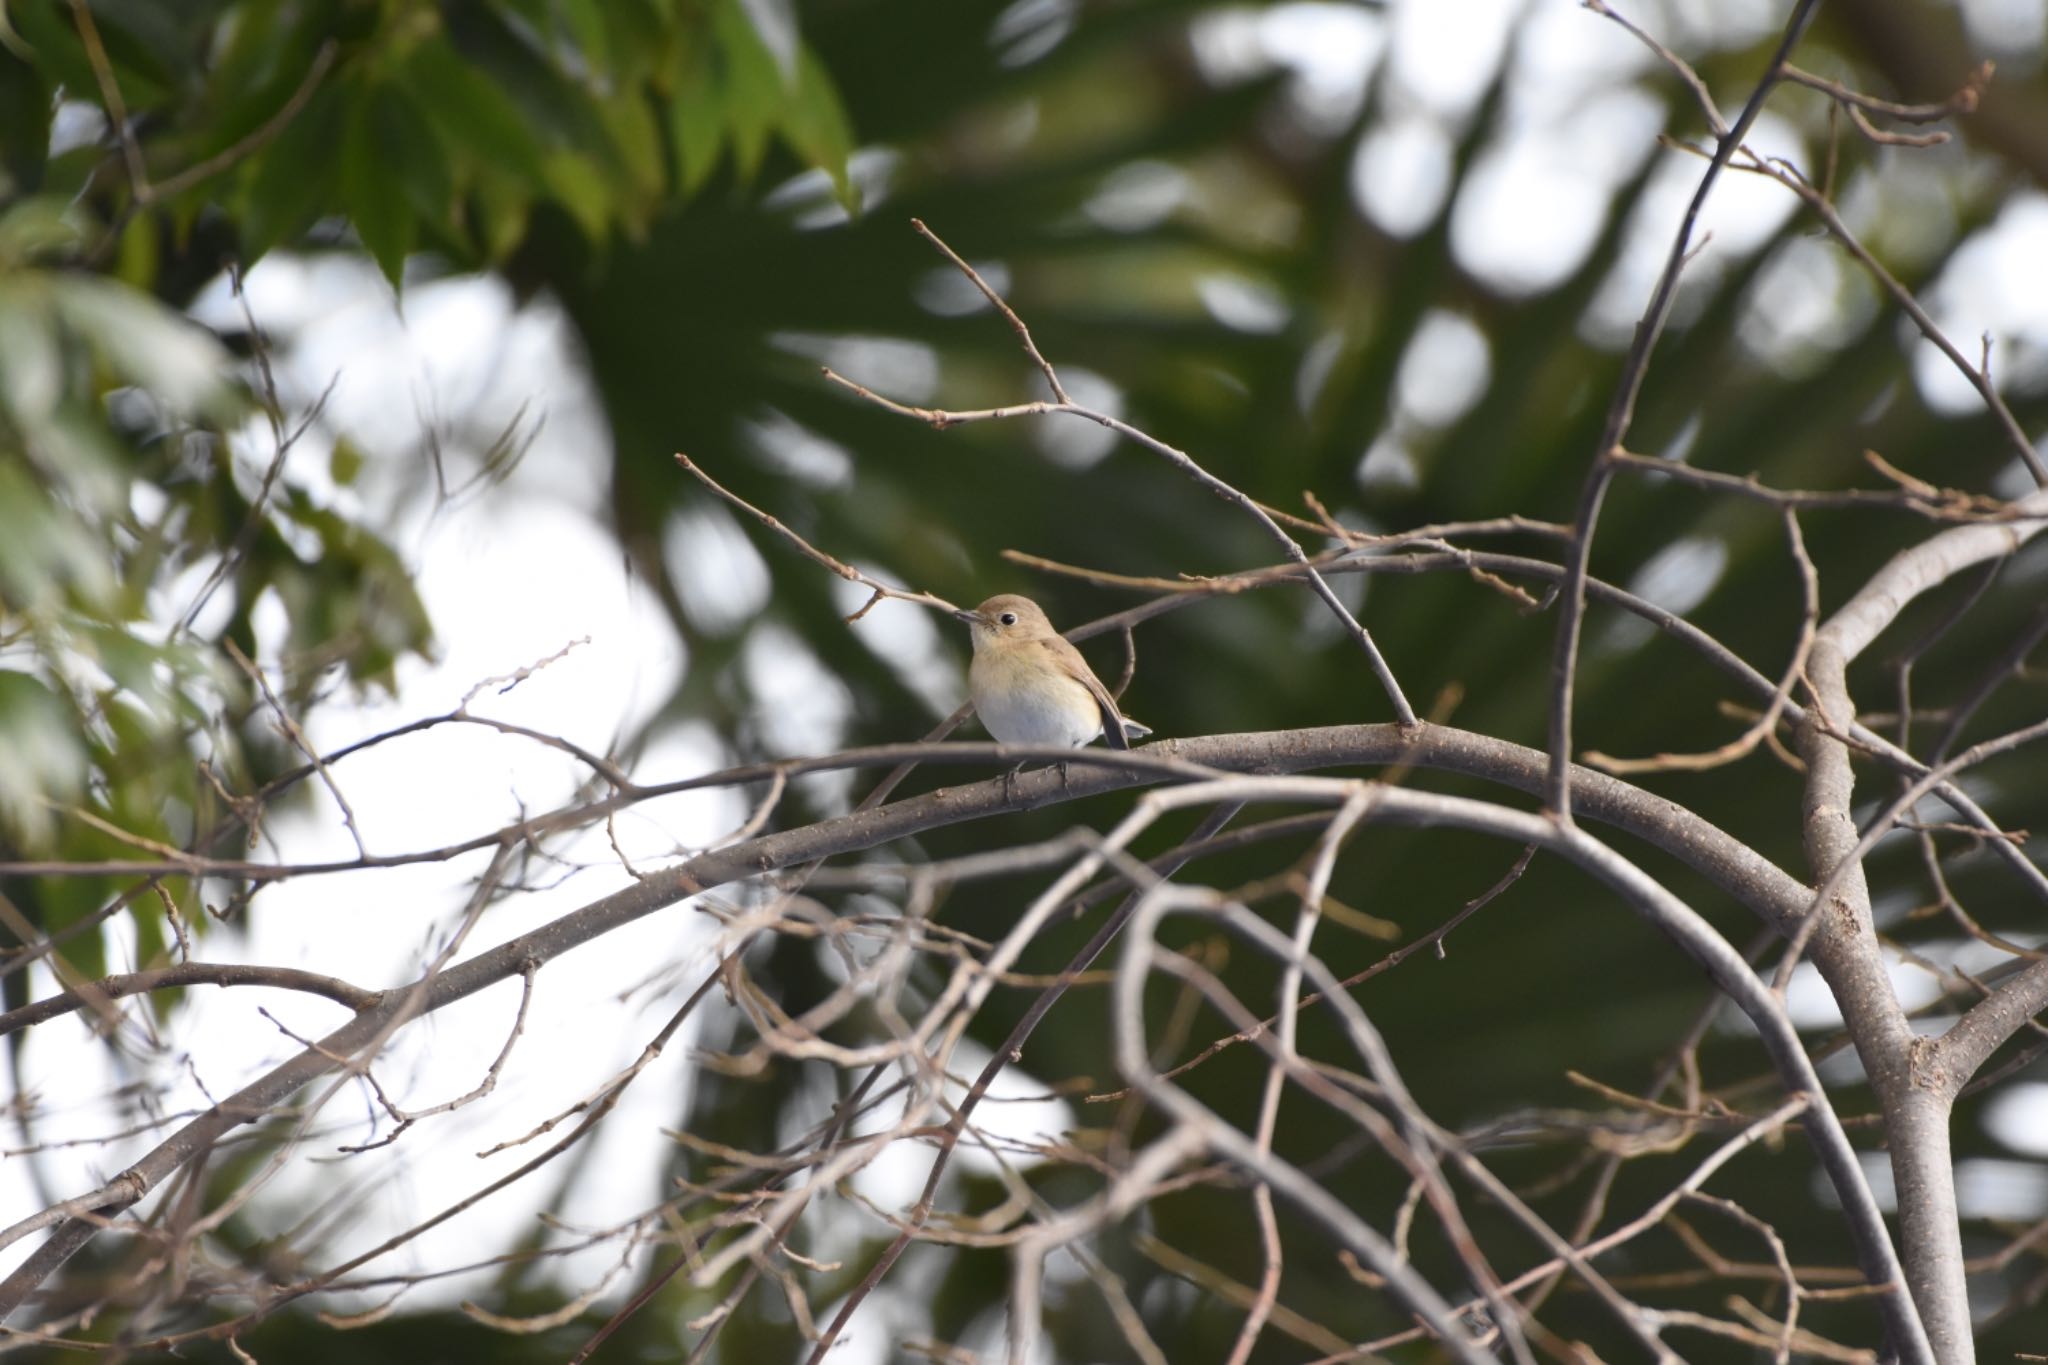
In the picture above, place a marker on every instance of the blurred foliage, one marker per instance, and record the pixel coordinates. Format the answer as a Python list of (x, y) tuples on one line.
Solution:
[(1184, 231), (145, 507)]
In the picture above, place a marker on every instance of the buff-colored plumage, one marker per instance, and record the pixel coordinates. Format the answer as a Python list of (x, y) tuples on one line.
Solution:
[(1031, 686)]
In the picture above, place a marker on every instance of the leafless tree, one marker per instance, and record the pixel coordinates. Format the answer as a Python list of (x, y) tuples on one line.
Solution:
[(772, 878)]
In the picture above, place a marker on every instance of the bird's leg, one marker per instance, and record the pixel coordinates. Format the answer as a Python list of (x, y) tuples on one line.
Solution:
[(1010, 783)]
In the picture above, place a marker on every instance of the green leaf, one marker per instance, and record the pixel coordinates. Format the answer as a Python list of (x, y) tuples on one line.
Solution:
[(56, 903), (45, 759), (38, 227), (290, 182), (249, 76), (26, 108), (540, 15), (356, 595), (345, 461), (148, 921), (72, 175), (504, 204), (370, 186), (479, 122), (419, 157), (581, 188), (47, 552), (51, 33), (639, 32), (696, 117), (817, 128), (135, 263), (128, 661), (146, 343), (635, 139), (753, 91), (31, 366), (585, 21), (145, 47)]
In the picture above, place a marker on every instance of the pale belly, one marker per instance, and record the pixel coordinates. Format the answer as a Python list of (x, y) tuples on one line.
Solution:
[(1062, 713)]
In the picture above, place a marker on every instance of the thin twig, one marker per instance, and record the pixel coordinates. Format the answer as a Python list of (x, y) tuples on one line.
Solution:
[(940, 419), (1621, 414), (1767, 723), (257, 138), (879, 589)]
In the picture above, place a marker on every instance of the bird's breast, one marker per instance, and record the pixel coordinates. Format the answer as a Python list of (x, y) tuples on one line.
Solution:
[(1031, 706)]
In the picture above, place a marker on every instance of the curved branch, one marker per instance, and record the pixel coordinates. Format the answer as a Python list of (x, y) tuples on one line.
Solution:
[(1557, 792), (187, 974), (1739, 870), (1916, 1105), (1677, 920)]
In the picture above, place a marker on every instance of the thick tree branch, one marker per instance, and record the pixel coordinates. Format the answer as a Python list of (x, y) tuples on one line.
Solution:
[(1740, 871), (1915, 1106)]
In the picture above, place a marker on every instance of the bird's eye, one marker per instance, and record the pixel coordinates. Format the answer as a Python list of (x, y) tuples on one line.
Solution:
[(1008, 618)]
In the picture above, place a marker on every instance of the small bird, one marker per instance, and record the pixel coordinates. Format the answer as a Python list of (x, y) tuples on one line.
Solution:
[(1031, 686)]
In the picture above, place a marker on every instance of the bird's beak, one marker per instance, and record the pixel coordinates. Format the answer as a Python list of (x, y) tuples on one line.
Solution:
[(965, 615)]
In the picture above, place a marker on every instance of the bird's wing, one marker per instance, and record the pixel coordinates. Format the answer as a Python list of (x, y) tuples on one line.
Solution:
[(1076, 667)]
